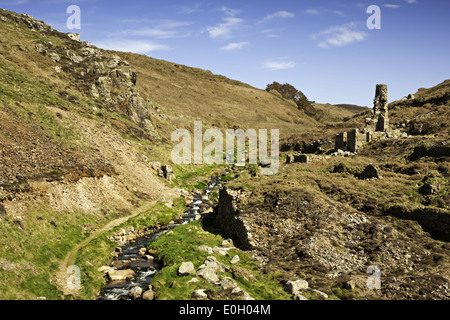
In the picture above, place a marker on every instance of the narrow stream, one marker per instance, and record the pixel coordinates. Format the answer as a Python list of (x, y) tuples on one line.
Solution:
[(145, 269)]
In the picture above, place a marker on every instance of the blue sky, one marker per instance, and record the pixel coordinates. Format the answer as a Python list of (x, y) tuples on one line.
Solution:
[(323, 47)]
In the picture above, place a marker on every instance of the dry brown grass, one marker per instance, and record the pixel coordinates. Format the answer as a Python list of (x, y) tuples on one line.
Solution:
[(186, 94)]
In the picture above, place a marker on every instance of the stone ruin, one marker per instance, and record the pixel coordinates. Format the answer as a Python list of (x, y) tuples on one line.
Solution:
[(377, 126)]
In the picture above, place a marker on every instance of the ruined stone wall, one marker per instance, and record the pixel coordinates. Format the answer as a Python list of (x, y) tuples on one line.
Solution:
[(376, 127), (228, 216)]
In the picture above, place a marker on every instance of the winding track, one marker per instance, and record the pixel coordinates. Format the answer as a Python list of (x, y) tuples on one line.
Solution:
[(61, 276)]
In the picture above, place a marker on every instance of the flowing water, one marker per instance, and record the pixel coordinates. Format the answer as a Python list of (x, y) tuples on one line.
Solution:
[(144, 269)]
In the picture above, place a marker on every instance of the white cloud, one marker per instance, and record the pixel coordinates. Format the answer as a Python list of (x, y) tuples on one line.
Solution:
[(312, 11), (340, 36), (339, 13), (278, 64), (273, 33), (411, 1), (278, 14), (229, 11), (392, 6), (192, 9), (164, 29), (224, 29), (158, 33), (135, 46), (15, 3), (234, 46)]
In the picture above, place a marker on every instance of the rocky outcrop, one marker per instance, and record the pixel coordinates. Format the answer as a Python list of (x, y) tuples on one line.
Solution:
[(101, 75)]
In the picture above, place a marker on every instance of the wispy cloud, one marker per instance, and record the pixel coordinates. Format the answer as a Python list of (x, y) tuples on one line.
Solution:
[(272, 33), (312, 11), (392, 6), (234, 46), (229, 11), (158, 33), (411, 1), (14, 3), (226, 28), (196, 7), (163, 29), (339, 13), (277, 15), (278, 64), (135, 46), (340, 36)]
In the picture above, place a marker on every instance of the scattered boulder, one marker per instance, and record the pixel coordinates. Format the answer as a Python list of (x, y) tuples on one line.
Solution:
[(319, 293), (199, 294), (142, 251), (210, 269), (186, 269), (228, 283), (135, 293), (294, 287), (220, 251), (372, 171), (148, 295), (235, 259), (105, 269), (205, 248), (193, 280), (121, 275), (227, 243)]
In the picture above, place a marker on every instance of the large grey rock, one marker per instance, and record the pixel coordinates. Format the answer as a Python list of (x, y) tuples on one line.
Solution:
[(205, 248), (228, 283), (121, 275), (209, 270), (235, 259), (148, 295), (295, 287), (135, 293), (186, 269), (370, 172)]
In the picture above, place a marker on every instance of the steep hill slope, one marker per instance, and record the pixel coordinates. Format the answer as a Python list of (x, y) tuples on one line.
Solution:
[(83, 134), (186, 94)]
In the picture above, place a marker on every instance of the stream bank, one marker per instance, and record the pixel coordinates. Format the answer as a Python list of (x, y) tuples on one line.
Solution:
[(128, 276)]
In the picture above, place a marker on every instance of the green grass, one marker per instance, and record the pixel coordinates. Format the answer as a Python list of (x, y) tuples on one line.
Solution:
[(195, 177), (89, 258), (37, 249), (98, 251), (159, 214), (182, 245)]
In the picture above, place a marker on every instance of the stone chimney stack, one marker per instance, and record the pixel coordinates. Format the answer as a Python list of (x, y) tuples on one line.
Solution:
[(380, 108)]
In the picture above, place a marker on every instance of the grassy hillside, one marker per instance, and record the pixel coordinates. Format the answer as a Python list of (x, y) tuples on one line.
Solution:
[(186, 94), (84, 132)]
